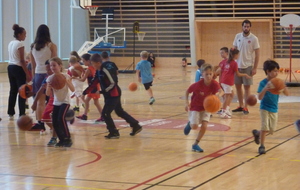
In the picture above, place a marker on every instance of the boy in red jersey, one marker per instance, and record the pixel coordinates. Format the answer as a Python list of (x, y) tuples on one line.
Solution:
[(206, 86)]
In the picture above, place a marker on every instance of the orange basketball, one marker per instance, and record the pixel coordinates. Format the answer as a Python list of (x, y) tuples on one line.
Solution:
[(278, 85), (24, 123), (212, 103), (25, 91), (75, 73), (57, 81), (132, 86), (251, 100)]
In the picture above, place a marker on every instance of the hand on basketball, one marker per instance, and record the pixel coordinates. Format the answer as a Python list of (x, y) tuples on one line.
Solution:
[(269, 85)]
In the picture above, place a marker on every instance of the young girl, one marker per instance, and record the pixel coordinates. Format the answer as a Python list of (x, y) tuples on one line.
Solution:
[(227, 69), (61, 103), (89, 74)]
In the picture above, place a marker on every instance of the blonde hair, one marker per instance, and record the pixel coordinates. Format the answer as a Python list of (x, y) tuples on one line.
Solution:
[(73, 59), (144, 54), (206, 66), (27, 56), (58, 61)]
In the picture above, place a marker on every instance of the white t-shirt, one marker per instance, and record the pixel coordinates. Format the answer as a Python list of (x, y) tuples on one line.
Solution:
[(41, 57), (247, 46), (61, 96), (13, 52)]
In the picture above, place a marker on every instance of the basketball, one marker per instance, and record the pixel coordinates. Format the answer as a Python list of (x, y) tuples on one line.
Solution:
[(25, 91), (212, 103), (77, 70), (251, 100), (278, 85), (57, 81), (132, 86), (70, 115), (24, 123)]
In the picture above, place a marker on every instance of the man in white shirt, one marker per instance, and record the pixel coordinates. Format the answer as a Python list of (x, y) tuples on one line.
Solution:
[(248, 45)]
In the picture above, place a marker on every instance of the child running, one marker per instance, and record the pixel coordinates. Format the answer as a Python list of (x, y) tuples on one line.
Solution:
[(61, 103), (206, 86), (228, 68), (268, 105)]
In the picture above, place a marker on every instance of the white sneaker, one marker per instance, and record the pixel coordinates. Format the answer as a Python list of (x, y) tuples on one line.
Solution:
[(11, 117), (225, 116), (227, 111)]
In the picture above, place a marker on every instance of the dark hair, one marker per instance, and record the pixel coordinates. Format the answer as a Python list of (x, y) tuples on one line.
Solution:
[(104, 55), (200, 62), (47, 62), (232, 53), (224, 49), (96, 58), (86, 56), (246, 22), (17, 30), (270, 65), (184, 59), (74, 53), (42, 37)]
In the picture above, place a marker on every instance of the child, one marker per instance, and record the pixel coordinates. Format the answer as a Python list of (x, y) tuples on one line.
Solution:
[(198, 74), (144, 75), (48, 109), (206, 86), (78, 85), (151, 59), (228, 68), (61, 103), (28, 65), (108, 79), (268, 105), (89, 74), (184, 62)]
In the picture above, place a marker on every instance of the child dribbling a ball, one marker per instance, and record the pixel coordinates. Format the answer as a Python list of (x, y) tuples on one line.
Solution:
[(61, 103), (268, 105), (201, 89)]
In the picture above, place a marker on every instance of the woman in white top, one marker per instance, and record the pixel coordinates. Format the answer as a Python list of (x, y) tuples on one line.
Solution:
[(42, 50), (17, 70)]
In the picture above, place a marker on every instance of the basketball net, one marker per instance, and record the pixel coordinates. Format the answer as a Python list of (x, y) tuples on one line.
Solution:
[(92, 9), (289, 29), (141, 35)]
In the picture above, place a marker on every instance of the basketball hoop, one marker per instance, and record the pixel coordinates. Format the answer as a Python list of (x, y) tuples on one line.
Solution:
[(112, 50), (289, 29), (141, 35), (92, 9)]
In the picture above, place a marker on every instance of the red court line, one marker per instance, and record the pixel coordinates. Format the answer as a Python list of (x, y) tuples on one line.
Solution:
[(187, 164)]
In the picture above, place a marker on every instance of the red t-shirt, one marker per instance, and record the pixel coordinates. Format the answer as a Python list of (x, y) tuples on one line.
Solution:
[(200, 91), (228, 70)]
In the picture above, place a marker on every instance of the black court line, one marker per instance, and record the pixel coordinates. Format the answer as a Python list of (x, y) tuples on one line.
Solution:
[(175, 175)]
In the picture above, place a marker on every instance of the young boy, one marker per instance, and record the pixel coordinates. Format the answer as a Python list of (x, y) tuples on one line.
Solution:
[(198, 74), (144, 75), (206, 86), (268, 105), (106, 75)]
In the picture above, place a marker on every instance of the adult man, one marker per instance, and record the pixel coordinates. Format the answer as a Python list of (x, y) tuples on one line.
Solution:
[(248, 45)]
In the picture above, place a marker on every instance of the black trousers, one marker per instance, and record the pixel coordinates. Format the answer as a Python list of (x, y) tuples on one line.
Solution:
[(17, 78), (114, 104), (59, 122)]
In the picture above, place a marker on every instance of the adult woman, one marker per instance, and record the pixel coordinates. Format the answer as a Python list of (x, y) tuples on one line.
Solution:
[(17, 70), (42, 49)]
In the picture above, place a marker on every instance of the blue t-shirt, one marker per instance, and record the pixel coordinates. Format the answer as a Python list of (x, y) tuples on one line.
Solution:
[(269, 101), (198, 75), (144, 67)]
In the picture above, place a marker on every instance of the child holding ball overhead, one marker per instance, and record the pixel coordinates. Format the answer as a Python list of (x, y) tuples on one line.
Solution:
[(61, 103), (201, 89), (268, 105)]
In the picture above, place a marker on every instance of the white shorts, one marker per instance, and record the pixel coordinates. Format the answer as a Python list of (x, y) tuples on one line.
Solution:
[(196, 117), (268, 121), (78, 85), (227, 88)]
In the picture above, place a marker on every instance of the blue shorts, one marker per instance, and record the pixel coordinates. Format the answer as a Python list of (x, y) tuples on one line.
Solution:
[(37, 81)]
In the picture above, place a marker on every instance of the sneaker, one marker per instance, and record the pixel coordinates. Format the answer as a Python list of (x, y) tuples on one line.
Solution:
[(67, 143), (256, 136), (245, 111), (151, 101), (224, 115), (100, 120), (238, 109), (11, 117), (297, 125), (59, 144), (82, 117), (227, 111), (261, 150), (115, 135), (43, 132), (187, 128), (219, 112), (38, 127), (136, 130), (52, 141), (196, 148), (76, 108)]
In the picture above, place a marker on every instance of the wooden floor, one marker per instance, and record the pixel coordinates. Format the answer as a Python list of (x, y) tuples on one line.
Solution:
[(160, 157)]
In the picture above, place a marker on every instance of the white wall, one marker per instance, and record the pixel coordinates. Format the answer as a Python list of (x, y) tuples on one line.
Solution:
[(68, 27)]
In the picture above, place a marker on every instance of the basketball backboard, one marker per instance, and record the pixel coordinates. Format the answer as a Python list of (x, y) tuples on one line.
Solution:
[(290, 19), (81, 3)]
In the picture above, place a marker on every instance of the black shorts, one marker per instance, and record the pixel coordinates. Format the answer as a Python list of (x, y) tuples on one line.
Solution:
[(147, 85)]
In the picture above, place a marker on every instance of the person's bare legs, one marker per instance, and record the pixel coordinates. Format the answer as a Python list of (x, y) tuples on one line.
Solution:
[(40, 107), (239, 93), (98, 106), (150, 93), (246, 94)]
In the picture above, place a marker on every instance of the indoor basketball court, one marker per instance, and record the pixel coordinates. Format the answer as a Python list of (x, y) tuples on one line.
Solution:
[(160, 156)]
